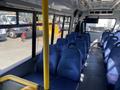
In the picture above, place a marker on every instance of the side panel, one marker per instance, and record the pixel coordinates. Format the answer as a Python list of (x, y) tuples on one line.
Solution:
[(21, 69)]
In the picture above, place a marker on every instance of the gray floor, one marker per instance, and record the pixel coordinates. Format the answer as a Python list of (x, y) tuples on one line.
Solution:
[(95, 72)]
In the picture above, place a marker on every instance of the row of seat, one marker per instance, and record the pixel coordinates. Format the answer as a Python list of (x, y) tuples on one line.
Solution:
[(110, 42), (67, 52), (67, 59)]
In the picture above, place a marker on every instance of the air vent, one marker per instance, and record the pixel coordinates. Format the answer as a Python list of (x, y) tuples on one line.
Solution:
[(92, 12), (97, 12), (101, 12), (110, 12)]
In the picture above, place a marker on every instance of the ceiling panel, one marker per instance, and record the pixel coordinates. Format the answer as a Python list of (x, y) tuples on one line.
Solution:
[(108, 0)]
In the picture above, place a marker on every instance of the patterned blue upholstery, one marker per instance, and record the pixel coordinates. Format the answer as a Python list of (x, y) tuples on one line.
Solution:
[(106, 40), (104, 35), (117, 34), (117, 85), (111, 42), (113, 64)]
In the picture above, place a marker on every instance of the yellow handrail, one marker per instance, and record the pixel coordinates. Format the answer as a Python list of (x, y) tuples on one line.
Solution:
[(45, 43), (27, 83)]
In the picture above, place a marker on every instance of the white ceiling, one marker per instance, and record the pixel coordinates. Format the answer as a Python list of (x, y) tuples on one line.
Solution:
[(71, 5), (99, 4), (61, 5)]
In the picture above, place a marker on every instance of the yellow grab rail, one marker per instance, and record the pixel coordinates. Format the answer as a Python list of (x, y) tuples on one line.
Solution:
[(45, 43), (27, 83)]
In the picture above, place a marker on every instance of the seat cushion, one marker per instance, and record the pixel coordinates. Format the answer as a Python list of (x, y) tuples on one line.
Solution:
[(61, 83), (35, 77), (56, 82)]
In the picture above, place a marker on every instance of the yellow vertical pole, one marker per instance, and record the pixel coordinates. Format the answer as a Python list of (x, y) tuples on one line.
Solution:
[(45, 43)]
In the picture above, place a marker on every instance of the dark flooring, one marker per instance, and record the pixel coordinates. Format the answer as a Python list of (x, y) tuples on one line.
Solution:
[(94, 78)]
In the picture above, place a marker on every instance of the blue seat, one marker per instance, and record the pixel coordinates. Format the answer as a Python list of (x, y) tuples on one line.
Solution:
[(53, 56), (87, 36), (60, 43), (72, 36), (74, 33), (61, 83), (104, 35), (81, 44), (56, 82), (106, 40), (70, 63), (35, 77), (117, 85), (111, 42), (113, 65), (86, 40), (117, 33)]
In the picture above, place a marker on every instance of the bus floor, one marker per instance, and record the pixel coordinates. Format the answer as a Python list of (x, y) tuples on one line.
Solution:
[(94, 73)]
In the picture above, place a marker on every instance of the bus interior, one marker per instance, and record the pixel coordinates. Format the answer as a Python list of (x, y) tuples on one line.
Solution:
[(59, 45)]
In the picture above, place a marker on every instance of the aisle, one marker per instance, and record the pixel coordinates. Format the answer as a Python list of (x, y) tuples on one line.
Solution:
[(94, 78)]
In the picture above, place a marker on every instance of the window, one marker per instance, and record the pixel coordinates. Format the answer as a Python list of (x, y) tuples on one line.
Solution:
[(39, 30), (103, 24), (15, 43), (7, 17), (39, 34), (66, 26), (97, 29), (58, 28), (15, 49), (25, 18)]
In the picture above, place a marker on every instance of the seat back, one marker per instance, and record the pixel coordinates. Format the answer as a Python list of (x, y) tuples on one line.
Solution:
[(117, 33), (70, 63), (113, 64), (104, 35), (106, 40), (111, 41), (82, 46), (72, 36), (86, 40), (87, 35), (53, 60), (60, 43)]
